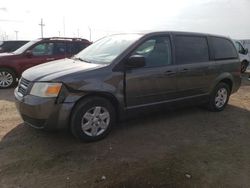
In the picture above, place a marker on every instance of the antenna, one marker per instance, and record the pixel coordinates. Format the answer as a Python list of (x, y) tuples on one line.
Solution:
[(41, 25)]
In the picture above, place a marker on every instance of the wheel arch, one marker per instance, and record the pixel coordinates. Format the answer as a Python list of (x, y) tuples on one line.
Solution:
[(108, 96), (229, 82), (244, 62), (10, 68), (225, 78)]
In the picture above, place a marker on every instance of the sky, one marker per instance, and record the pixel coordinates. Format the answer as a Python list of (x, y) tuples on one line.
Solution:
[(79, 18)]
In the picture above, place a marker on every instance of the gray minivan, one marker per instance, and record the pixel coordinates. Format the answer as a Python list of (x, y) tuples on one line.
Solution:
[(121, 73)]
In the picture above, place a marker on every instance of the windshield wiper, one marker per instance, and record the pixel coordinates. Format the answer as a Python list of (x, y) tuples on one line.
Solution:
[(80, 59)]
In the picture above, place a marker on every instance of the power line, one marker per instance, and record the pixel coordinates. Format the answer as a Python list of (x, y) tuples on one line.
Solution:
[(8, 20)]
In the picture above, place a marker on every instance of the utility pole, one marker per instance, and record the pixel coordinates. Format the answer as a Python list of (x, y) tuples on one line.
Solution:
[(64, 27), (16, 34), (41, 25), (5, 36), (90, 34)]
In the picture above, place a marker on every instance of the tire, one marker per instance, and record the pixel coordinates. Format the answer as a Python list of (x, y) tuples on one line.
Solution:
[(92, 119), (7, 78), (219, 97), (243, 67)]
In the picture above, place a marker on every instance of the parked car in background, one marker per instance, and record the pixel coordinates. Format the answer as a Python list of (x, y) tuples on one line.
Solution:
[(124, 73), (243, 54), (11, 45), (246, 43), (34, 53)]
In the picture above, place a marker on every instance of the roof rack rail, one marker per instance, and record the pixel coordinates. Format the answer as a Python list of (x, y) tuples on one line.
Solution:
[(64, 38)]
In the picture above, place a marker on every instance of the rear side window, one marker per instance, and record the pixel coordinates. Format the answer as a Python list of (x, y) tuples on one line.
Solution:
[(81, 46), (60, 48), (223, 48), (71, 48), (191, 49), (75, 47)]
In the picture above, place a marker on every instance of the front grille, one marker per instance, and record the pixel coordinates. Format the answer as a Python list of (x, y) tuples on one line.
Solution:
[(23, 86)]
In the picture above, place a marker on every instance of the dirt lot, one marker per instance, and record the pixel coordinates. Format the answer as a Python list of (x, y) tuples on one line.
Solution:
[(183, 148)]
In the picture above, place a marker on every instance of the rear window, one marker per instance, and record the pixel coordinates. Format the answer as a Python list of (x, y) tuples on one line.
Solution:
[(223, 48), (191, 49)]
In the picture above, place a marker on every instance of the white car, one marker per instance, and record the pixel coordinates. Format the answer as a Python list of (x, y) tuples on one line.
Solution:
[(243, 54)]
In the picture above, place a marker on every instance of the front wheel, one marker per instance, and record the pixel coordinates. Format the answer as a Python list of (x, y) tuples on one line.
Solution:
[(244, 66), (92, 119), (7, 78), (219, 97)]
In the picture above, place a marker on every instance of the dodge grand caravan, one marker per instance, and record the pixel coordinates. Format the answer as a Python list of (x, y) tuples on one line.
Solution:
[(89, 92)]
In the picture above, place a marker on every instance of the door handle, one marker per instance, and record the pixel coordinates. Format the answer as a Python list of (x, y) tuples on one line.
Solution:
[(184, 70), (170, 73), (50, 59)]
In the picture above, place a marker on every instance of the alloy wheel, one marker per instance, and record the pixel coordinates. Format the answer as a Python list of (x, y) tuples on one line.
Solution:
[(6, 79), (221, 97), (95, 121)]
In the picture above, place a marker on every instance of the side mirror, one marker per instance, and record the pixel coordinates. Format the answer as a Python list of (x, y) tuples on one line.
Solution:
[(28, 53), (246, 51), (135, 61)]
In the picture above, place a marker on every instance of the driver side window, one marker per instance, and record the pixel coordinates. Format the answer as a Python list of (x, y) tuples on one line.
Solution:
[(156, 51), (43, 49)]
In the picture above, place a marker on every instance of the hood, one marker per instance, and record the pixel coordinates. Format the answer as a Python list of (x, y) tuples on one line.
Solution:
[(58, 69), (6, 54)]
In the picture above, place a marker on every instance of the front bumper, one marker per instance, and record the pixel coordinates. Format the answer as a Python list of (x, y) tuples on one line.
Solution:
[(43, 113)]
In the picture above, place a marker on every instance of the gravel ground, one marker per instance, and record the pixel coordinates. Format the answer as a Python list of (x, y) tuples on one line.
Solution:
[(188, 147)]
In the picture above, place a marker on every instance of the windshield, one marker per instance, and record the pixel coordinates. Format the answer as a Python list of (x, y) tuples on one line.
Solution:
[(24, 47), (105, 50)]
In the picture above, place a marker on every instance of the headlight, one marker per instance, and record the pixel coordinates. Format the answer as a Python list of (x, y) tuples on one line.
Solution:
[(42, 89)]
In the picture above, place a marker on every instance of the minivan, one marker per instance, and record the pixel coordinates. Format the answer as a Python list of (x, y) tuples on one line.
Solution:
[(91, 91)]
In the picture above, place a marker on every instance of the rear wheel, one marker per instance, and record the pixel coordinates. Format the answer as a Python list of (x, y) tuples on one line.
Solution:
[(7, 78), (219, 98), (92, 119)]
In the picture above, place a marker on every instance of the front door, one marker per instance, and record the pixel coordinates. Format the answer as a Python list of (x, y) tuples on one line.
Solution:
[(156, 81), (40, 53)]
